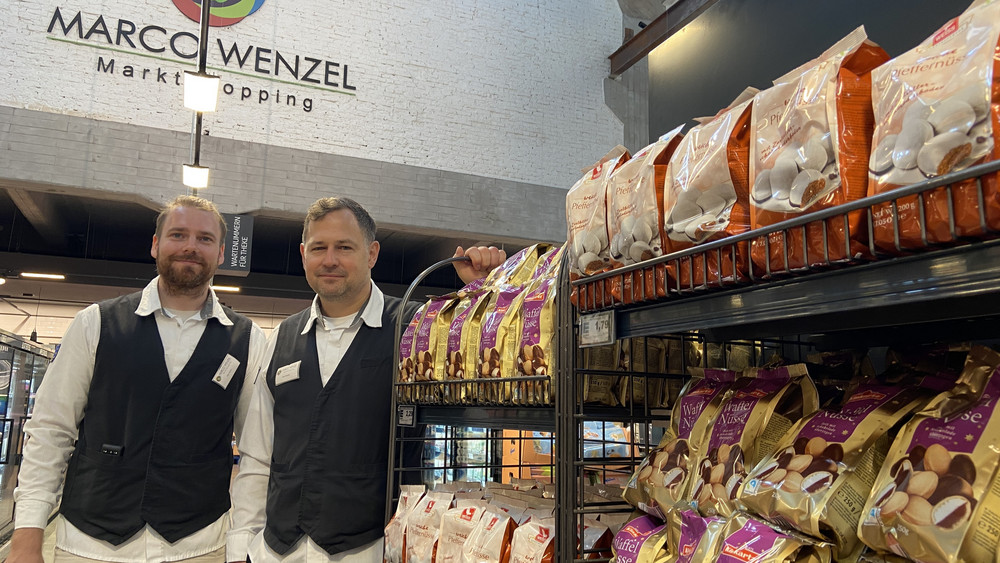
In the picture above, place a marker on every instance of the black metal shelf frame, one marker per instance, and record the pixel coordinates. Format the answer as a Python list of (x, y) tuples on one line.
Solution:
[(950, 291)]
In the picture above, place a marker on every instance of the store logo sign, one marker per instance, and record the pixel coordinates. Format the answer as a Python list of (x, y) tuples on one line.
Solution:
[(222, 13)]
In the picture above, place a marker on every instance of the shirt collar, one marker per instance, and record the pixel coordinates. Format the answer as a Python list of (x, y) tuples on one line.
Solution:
[(150, 303), (370, 313)]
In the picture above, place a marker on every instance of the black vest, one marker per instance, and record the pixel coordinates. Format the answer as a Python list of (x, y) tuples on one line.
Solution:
[(328, 467), (150, 450)]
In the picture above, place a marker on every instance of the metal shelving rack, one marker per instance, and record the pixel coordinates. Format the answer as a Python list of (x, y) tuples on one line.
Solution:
[(947, 293)]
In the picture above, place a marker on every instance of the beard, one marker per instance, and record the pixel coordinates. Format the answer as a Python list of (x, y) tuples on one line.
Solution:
[(184, 277), (346, 289)]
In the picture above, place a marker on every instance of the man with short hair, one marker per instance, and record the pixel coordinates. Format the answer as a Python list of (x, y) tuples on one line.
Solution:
[(138, 409), (316, 442)]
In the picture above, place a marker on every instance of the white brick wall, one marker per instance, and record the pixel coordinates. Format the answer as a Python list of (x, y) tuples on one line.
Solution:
[(509, 90)]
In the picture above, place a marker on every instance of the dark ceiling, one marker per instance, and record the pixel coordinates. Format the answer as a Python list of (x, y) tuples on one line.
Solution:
[(104, 242)]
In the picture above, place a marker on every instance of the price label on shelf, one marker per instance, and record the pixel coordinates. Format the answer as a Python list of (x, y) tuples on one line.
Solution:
[(406, 415), (597, 329)]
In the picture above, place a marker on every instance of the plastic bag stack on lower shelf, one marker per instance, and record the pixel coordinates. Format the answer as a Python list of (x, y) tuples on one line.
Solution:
[(463, 522)]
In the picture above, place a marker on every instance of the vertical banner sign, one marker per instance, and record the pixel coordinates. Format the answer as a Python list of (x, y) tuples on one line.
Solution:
[(237, 246)]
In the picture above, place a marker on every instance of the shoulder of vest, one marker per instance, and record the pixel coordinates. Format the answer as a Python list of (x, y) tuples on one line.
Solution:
[(395, 306), (129, 301), (296, 321), (235, 317)]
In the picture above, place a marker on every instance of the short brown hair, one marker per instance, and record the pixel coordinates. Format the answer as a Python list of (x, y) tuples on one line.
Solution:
[(194, 202), (321, 207)]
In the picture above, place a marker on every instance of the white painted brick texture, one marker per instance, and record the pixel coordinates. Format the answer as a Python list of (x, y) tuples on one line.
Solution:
[(510, 90)]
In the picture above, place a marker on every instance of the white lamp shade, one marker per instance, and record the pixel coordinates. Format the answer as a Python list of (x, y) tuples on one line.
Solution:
[(195, 176), (201, 91)]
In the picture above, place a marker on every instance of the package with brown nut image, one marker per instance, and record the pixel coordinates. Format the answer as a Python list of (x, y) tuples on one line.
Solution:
[(407, 355), (534, 351), (501, 312), (744, 538), (425, 348), (456, 345), (937, 497), (663, 477), (708, 194), (821, 473), (810, 141), (762, 406), (635, 219), (935, 113), (586, 217)]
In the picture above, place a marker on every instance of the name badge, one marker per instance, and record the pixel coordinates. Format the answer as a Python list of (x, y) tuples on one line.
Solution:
[(226, 371), (287, 373)]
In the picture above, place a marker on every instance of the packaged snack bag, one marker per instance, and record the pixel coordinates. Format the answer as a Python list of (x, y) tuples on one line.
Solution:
[(641, 356), (707, 197), (394, 544), (456, 525), (745, 540), (456, 349), (823, 470), (600, 388), (502, 311), (662, 479), (762, 406), (533, 351), (810, 140), (596, 539), (489, 541), (586, 217), (686, 529), (428, 365), (936, 497), (635, 217), (641, 539), (423, 525), (516, 269), (935, 113), (548, 263), (708, 542), (407, 354), (532, 542)]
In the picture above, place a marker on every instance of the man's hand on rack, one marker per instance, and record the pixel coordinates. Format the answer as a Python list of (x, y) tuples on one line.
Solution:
[(483, 260)]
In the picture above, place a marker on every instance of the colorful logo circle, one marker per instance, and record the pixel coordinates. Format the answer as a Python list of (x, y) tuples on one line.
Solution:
[(221, 12)]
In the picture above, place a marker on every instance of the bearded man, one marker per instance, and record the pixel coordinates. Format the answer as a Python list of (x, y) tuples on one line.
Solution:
[(134, 419)]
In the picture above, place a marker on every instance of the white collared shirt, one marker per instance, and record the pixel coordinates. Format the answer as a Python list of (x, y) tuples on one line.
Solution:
[(333, 338), (59, 408)]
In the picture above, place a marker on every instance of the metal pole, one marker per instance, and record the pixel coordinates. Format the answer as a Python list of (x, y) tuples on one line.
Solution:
[(206, 6), (203, 39)]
